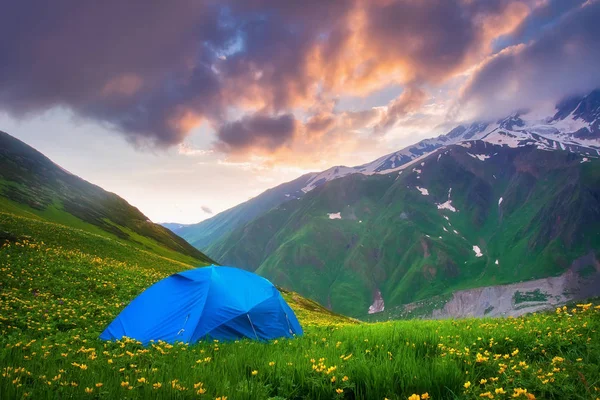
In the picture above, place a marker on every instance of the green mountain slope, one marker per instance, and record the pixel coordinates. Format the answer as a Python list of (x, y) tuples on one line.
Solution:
[(205, 233), (399, 239), (32, 185), (61, 286)]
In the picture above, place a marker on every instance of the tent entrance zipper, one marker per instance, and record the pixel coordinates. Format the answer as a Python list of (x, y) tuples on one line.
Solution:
[(184, 324)]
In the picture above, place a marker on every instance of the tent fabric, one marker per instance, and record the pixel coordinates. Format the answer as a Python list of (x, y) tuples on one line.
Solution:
[(213, 302)]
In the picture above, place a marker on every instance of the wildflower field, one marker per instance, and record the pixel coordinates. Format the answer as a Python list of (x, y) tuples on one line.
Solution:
[(60, 287)]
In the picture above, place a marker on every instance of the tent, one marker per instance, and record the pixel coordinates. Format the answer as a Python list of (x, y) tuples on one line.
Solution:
[(213, 302)]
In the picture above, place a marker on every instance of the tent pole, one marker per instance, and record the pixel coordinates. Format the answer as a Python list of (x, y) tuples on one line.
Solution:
[(252, 325)]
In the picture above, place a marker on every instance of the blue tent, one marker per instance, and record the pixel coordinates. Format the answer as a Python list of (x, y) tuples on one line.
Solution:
[(212, 302)]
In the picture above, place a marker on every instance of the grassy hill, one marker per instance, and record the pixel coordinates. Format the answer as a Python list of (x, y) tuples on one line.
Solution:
[(60, 287), (411, 236), (32, 185)]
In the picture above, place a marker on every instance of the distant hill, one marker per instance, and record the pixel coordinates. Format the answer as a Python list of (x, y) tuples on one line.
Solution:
[(32, 185), (205, 233)]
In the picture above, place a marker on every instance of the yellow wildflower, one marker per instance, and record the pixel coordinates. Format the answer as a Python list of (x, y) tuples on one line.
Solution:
[(254, 373), (467, 384), (88, 390), (414, 397), (339, 391)]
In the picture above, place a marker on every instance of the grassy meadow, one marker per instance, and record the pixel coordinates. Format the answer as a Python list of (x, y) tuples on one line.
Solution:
[(60, 287)]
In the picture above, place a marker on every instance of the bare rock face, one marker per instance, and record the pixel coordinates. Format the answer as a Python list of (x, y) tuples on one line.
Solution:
[(378, 304), (525, 297)]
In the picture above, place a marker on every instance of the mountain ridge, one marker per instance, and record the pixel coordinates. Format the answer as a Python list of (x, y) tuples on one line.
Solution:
[(558, 131), (468, 215)]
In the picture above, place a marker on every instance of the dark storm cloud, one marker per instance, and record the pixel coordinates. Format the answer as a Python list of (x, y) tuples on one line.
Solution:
[(127, 64), (562, 62), (154, 70), (256, 131)]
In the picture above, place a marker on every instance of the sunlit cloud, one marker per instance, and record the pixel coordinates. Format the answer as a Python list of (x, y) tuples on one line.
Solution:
[(162, 69)]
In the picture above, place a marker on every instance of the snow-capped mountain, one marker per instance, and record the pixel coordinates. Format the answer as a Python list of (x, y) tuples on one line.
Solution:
[(575, 127)]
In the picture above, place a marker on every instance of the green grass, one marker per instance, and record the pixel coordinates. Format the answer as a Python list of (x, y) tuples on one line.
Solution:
[(60, 287), (535, 295)]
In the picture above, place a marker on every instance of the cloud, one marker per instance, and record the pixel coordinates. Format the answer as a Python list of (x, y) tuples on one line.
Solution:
[(258, 131), (561, 62), (134, 66), (153, 71), (206, 210), (409, 101), (188, 150)]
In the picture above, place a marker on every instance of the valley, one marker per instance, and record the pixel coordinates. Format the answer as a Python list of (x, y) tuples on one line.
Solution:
[(68, 271), (60, 286)]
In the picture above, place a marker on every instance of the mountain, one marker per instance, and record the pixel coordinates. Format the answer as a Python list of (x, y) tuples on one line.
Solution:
[(493, 204), (203, 234), (575, 127), (32, 185)]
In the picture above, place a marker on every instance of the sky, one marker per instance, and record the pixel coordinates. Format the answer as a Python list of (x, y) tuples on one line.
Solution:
[(188, 108)]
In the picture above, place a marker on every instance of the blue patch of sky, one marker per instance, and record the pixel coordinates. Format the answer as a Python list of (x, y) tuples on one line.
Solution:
[(378, 98)]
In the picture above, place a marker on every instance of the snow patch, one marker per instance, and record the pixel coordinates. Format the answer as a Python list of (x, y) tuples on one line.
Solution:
[(447, 205), (423, 191), (500, 201), (585, 159), (496, 262), (418, 171), (481, 157), (477, 251), (335, 215)]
